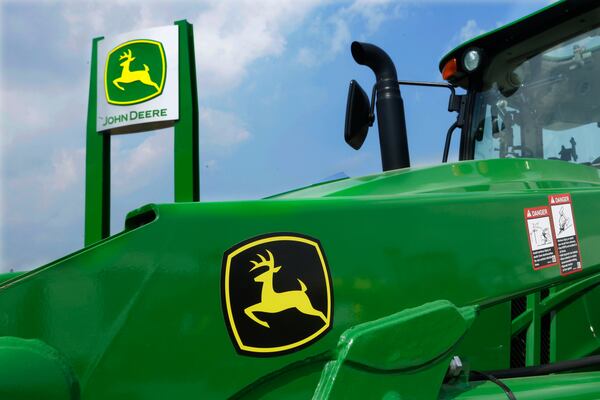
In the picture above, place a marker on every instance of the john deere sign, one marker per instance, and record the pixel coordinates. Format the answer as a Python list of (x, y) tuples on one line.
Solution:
[(138, 80)]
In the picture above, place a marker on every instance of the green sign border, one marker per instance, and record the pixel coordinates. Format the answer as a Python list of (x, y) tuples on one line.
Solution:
[(162, 80)]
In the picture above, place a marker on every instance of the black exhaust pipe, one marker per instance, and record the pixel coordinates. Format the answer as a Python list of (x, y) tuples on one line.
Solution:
[(390, 107)]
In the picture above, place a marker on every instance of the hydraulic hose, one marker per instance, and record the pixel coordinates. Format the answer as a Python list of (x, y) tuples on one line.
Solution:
[(561, 366)]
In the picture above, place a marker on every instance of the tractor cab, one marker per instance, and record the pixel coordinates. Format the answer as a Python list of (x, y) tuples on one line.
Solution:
[(532, 91)]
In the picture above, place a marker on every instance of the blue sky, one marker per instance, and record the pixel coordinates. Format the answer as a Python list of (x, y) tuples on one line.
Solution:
[(272, 85)]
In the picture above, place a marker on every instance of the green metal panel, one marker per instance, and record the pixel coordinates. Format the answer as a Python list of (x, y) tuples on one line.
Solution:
[(488, 349), (33, 370), (532, 355), (9, 275), (404, 355), (139, 314), (578, 322)]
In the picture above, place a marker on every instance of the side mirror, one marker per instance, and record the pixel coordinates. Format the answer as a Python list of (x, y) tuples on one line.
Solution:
[(358, 116)]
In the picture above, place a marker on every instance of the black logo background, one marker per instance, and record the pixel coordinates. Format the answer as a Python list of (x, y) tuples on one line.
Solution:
[(298, 260)]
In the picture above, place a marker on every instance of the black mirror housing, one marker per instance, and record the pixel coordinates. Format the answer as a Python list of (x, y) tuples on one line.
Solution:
[(358, 116)]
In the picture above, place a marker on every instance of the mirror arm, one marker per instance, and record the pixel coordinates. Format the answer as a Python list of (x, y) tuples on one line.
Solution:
[(372, 109), (429, 84), (456, 103)]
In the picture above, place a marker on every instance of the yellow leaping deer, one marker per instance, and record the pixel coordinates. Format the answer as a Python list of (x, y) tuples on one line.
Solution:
[(128, 76), (274, 302)]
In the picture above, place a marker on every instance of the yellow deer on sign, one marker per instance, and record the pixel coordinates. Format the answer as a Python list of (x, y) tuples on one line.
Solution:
[(274, 302), (128, 76)]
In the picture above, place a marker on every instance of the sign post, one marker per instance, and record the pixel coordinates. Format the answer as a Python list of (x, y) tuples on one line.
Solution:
[(187, 159), (97, 167), (140, 81)]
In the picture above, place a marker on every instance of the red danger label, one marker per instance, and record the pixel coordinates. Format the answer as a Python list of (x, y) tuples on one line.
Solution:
[(563, 223), (541, 238)]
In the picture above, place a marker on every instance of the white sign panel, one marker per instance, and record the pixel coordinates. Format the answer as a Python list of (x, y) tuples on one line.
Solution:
[(138, 79), (566, 233)]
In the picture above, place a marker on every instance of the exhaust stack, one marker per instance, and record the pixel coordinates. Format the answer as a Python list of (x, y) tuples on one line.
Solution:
[(390, 107)]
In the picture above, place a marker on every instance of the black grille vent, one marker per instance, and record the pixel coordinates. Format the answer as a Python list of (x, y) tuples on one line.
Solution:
[(517, 349), (518, 306)]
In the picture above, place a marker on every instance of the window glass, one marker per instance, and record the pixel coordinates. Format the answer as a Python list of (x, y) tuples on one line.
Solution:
[(545, 106)]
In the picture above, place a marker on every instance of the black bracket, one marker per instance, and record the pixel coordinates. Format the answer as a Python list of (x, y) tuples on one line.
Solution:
[(457, 103)]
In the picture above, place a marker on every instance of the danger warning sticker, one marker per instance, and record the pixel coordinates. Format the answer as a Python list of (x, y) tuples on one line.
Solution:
[(565, 232), (541, 238)]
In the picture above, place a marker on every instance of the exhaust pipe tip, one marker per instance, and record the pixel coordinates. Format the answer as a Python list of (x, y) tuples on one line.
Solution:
[(375, 58), (358, 52)]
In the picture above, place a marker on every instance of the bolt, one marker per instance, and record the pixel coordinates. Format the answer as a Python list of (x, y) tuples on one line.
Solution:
[(456, 367)]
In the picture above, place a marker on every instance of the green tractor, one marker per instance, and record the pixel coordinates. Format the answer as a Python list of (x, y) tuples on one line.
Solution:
[(466, 280)]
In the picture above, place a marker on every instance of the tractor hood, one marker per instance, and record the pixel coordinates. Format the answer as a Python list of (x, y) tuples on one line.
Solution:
[(496, 175), (190, 297)]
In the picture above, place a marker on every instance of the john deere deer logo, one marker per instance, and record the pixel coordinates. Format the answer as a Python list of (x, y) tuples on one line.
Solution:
[(128, 76), (277, 294), (135, 72), (274, 302)]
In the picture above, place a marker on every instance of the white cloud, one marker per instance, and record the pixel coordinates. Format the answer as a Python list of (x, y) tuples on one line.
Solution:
[(213, 165), (220, 130), (85, 20), (469, 31), (43, 188), (466, 32), (333, 34), (230, 36), (307, 57), (49, 111), (137, 167), (516, 9), (341, 36), (43, 210), (66, 170), (374, 12), (329, 38)]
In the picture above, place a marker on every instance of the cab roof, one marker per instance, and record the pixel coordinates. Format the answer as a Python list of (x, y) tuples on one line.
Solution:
[(507, 35)]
